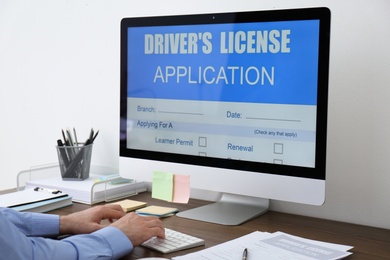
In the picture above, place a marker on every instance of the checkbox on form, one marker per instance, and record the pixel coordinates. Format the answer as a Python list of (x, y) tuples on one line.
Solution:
[(278, 148), (202, 141)]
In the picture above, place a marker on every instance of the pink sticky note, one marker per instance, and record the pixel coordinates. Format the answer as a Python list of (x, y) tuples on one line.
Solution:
[(181, 188)]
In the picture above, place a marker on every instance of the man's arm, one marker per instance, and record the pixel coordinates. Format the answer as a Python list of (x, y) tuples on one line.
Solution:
[(19, 237), (31, 224), (107, 241)]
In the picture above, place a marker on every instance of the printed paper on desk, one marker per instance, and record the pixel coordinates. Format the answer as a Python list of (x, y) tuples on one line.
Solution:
[(181, 188), (276, 246), (162, 186)]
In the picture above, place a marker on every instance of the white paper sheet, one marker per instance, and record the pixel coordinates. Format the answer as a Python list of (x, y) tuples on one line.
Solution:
[(276, 246)]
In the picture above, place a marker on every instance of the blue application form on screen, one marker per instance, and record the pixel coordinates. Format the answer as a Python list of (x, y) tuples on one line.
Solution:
[(245, 91)]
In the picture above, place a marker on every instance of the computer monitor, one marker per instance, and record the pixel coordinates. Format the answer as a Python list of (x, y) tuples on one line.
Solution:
[(238, 101)]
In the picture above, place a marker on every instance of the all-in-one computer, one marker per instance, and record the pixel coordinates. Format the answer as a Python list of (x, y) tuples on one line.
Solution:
[(238, 101)]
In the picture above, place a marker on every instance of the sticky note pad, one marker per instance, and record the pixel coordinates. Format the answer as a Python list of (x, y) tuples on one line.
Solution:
[(162, 186), (157, 211), (130, 205), (181, 189)]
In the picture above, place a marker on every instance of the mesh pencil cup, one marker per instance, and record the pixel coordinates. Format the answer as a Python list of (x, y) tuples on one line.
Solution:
[(75, 162)]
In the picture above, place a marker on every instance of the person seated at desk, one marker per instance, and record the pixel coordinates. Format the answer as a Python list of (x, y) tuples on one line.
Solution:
[(25, 235)]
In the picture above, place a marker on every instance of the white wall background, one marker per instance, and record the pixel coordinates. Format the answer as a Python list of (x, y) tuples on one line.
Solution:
[(59, 67)]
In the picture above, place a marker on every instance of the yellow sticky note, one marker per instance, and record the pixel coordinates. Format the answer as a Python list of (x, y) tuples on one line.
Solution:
[(157, 211), (181, 188), (130, 205), (162, 186)]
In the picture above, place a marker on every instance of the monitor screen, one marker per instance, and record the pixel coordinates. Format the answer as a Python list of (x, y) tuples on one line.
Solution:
[(227, 97)]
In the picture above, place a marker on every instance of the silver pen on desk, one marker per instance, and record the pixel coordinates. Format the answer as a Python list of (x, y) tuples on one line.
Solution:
[(245, 254)]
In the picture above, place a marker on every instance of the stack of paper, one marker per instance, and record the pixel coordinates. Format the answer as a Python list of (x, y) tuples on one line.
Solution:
[(157, 211), (130, 205), (274, 246), (91, 190), (35, 201)]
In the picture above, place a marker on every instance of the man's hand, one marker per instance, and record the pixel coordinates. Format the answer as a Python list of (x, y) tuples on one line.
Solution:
[(89, 220), (139, 229)]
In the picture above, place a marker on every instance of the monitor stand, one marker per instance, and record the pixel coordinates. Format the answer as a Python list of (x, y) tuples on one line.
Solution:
[(229, 210)]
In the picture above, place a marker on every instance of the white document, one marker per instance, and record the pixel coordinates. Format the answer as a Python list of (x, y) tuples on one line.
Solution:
[(26, 196), (276, 246)]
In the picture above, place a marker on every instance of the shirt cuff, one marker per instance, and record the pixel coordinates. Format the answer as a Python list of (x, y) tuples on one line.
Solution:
[(45, 225), (118, 241)]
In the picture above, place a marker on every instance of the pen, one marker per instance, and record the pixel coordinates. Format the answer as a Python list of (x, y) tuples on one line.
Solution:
[(65, 139), (75, 137), (47, 190), (245, 254), (63, 153), (69, 137), (91, 135), (94, 137)]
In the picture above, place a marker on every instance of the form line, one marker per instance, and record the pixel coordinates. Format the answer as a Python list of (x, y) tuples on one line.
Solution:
[(274, 119), (181, 113)]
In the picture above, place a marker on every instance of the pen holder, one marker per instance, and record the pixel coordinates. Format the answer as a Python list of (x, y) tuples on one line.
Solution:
[(75, 162)]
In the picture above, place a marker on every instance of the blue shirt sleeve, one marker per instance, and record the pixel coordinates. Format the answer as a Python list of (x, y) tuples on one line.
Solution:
[(24, 236), (106, 243), (31, 224)]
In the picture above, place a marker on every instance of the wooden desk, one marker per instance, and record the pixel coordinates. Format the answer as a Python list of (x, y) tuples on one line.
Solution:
[(369, 243)]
